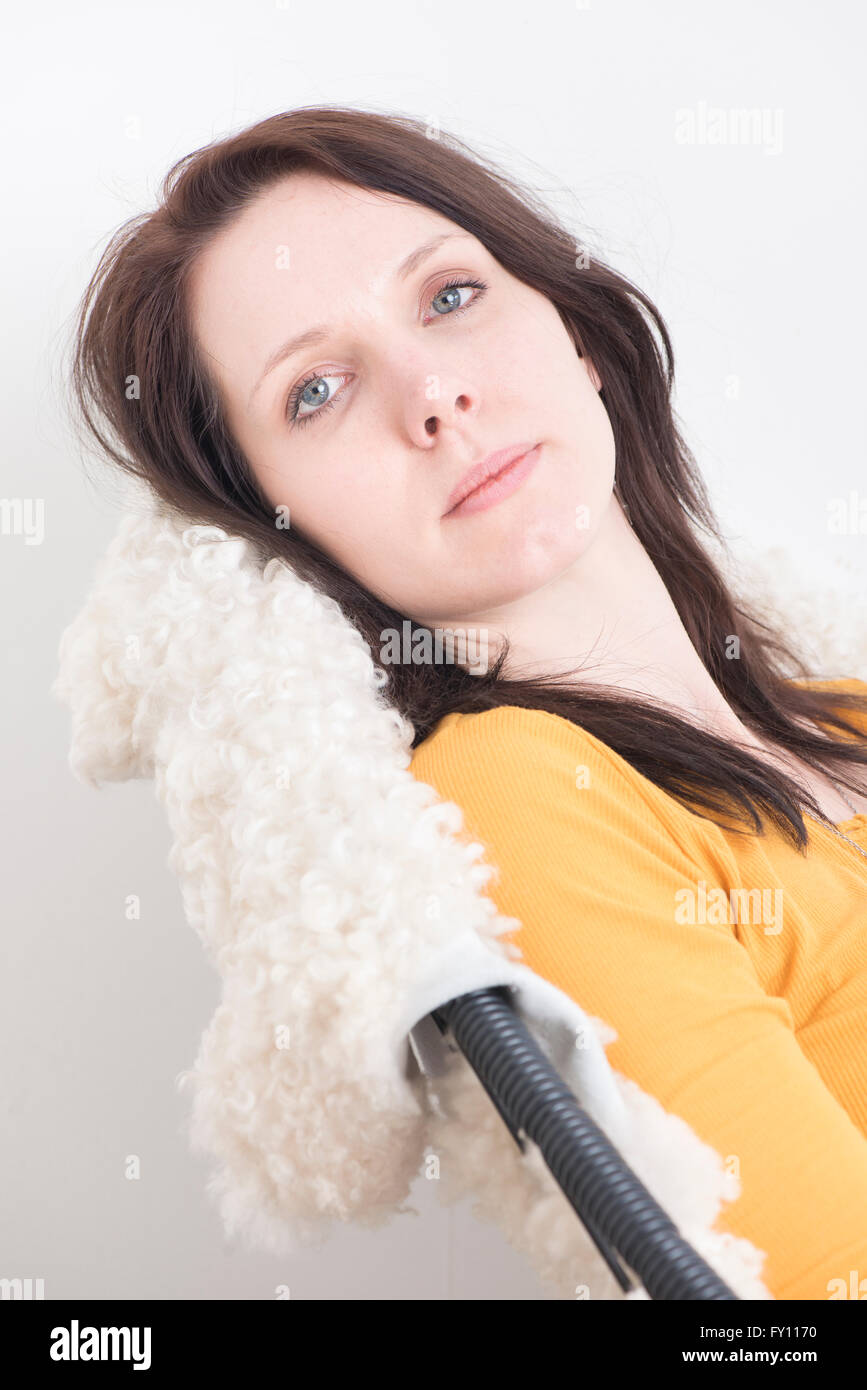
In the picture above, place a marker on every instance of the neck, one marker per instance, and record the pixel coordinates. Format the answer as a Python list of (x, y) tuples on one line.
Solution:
[(611, 615)]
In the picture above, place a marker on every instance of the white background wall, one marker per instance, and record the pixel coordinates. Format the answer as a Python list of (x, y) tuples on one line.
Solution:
[(752, 251)]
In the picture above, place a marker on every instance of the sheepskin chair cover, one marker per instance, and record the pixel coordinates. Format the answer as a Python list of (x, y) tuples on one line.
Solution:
[(333, 895)]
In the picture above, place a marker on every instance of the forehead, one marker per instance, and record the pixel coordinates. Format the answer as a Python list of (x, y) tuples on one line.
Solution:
[(307, 207), (304, 245)]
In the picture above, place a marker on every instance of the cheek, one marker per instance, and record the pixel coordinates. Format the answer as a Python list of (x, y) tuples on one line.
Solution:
[(357, 524)]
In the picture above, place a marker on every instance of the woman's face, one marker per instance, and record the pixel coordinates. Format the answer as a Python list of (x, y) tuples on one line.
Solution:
[(407, 387)]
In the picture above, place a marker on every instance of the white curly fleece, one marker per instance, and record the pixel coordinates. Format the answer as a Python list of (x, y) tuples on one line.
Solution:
[(339, 908)]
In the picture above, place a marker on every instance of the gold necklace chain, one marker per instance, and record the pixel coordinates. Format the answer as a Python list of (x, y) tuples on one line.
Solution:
[(829, 825), (839, 833)]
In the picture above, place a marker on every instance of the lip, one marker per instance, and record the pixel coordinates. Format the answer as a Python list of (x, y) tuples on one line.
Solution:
[(493, 478)]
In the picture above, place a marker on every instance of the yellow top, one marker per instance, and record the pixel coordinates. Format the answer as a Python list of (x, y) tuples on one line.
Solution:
[(733, 968)]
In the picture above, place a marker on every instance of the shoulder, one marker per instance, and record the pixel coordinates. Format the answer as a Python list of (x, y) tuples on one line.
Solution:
[(512, 753), (848, 685), (509, 744), (578, 840), (517, 773)]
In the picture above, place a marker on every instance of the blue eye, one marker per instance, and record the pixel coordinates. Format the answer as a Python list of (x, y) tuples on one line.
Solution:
[(294, 400), (452, 288)]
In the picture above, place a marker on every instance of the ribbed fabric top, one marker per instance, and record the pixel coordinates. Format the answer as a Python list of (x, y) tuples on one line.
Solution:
[(733, 968)]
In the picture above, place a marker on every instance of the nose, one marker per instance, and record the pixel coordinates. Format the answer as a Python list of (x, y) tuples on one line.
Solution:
[(462, 405), (434, 396)]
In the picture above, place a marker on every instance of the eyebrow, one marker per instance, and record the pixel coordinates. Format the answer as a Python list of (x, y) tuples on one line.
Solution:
[(312, 336)]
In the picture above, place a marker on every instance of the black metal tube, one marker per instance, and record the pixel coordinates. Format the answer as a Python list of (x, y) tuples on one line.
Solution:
[(619, 1213)]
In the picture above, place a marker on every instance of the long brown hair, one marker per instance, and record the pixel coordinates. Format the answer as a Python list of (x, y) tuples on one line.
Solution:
[(133, 326)]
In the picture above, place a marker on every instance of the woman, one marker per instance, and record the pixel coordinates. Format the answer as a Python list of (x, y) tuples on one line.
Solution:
[(375, 357)]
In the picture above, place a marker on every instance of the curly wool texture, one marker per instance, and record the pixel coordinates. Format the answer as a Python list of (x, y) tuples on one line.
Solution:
[(333, 896)]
